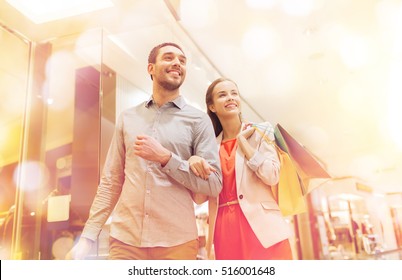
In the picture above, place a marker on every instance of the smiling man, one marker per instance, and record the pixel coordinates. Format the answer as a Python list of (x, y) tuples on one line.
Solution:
[(147, 182)]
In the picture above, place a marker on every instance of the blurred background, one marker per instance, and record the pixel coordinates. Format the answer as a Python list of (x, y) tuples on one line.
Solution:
[(327, 71)]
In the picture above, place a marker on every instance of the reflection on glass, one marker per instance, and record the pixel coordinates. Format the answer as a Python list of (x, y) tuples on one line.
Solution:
[(14, 57)]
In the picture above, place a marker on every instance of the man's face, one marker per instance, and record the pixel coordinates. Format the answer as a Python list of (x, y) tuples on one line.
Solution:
[(169, 69)]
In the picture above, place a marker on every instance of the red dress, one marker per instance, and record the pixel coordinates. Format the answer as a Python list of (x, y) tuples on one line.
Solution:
[(233, 238)]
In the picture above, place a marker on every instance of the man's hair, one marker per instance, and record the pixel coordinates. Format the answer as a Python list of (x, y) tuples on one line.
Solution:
[(154, 52)]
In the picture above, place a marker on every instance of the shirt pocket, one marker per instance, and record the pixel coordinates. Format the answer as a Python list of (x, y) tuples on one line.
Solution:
[(270, 205)]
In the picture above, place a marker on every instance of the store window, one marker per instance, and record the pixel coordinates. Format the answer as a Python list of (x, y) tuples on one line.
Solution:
[(14, 84)]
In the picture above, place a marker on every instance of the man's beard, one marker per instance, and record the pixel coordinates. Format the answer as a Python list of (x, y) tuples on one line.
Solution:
[(170, 86)]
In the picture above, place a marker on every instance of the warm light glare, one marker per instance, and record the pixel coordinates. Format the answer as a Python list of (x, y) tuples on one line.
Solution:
[(355, 99), (394, 106), (298, 7), (10, 141), (259, 42), (88, 47), (195, 13), (261, 4), (354, 51), (30, 176), (280, 77), (1, 162), (317, 137), (388, 16), (59, 84), (365, 166), (40, 11)]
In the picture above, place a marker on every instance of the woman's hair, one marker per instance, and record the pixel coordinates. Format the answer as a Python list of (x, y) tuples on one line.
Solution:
[(209, 101)]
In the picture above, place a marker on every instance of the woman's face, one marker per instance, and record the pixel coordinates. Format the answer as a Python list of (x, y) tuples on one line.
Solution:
[(226, 100)]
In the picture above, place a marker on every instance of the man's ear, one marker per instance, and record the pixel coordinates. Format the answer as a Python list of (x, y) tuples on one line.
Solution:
[(150, 68)]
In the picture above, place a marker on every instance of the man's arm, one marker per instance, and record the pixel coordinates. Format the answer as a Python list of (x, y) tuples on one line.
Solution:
[(179, 169)]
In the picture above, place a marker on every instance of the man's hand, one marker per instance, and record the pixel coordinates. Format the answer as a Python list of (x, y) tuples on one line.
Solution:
[(148, 148), (80, 250), (200, 167)]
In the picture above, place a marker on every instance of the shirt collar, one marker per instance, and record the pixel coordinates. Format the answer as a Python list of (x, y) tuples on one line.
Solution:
[(179, 102)]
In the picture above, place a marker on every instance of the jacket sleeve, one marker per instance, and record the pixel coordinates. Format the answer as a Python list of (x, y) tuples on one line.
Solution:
[(265, 161)]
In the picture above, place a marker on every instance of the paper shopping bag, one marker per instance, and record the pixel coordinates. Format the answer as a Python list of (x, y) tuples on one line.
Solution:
[(307, 165), (288, 192)]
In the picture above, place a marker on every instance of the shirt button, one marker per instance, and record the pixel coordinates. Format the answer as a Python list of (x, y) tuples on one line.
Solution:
[(148, 191), (241, 196)]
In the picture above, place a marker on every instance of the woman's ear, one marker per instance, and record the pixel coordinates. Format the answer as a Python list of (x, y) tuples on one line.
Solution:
[(212, 108)]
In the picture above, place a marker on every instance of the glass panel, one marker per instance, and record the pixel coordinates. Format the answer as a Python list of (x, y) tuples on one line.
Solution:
[(14, 57), (72, 139)]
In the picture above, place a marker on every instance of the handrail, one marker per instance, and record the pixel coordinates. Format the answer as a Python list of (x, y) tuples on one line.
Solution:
[(380, 253)]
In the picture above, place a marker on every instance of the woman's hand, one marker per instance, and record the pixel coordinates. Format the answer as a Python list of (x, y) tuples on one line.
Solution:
[(246, 148), (200, 167)]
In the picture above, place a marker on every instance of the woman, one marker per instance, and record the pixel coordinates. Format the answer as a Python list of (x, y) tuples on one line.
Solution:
[(244, 221)]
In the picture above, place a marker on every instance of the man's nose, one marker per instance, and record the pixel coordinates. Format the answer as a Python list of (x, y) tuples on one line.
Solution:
[(176, 61)]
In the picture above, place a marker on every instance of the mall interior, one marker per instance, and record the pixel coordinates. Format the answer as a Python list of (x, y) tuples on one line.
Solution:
[(67, 72)]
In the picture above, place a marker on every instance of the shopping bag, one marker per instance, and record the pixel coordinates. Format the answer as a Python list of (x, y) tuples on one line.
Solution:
[(307, 165), (288, 192)]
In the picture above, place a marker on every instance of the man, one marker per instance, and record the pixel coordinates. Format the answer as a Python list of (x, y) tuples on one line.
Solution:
[(147, 179)]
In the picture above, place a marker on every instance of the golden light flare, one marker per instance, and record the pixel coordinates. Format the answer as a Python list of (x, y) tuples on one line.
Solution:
[(355, 51), (298, 7), (12, 96), (262, 4), (60, 81), (359, 100), (394, 112), (40, 11), (260, 41), (280, 78), (88, 47), (30, 176), (366, 166), (10, 141), (197, 14)]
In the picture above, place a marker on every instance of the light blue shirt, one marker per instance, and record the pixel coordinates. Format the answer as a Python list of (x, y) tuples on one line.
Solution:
[(153, 203)]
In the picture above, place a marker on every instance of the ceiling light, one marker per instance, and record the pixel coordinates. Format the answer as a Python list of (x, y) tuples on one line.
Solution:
[(40, 11)]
